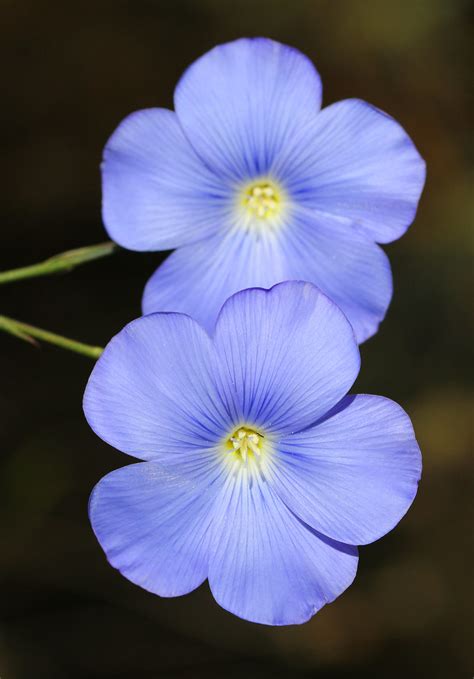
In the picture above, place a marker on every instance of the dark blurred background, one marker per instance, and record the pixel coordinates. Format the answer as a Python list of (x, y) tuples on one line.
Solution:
[(71, 72)]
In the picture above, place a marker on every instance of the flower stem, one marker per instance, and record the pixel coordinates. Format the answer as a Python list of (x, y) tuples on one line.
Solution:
[(29, 333), (63, 262)]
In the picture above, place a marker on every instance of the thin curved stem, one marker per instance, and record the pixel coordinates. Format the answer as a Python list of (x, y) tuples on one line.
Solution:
[(30, 333), (63, 262)]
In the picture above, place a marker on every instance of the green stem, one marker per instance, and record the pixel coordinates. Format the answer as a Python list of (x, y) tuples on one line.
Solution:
[(63, 262), (29, 333)]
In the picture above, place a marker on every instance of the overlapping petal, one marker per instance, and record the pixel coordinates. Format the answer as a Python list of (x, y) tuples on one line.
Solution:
[(328, 251), (354, 475), (199, 278), (340, 259), (289, 354), (154, 527), (267, 566), (152, 392), (157, 194), (356, 162), (242, 102)]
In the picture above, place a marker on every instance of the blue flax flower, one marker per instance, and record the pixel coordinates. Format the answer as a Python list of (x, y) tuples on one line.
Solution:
[(259, 473), (254, 185)]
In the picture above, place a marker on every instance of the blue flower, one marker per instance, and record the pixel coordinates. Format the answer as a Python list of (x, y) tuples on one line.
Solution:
[(255, 185), (259, 473)]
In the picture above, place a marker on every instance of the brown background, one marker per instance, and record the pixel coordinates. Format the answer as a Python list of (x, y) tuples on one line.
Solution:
[(70, 72)]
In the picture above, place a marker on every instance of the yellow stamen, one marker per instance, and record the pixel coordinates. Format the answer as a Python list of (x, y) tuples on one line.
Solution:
[(262, 199), (245, 444)]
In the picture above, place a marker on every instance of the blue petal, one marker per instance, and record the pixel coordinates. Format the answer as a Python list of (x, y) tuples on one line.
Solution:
[(240, 103), (325, 250), (357, 162), (154, 527), (157, 194), (344, 263), (265, 565), (289, 354), (354, 475), (152, 392), (198, 279)]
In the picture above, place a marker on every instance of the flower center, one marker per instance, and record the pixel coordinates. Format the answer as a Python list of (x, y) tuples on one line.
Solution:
[(245, 444), (262, 199)]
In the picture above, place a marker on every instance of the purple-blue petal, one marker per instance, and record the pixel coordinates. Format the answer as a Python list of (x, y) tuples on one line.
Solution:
[(157, 194), (267, 566), (152, 393), (355, 161), (353, 475), (330, 252), (242, 102), (289, 353), (154, 527), (199, 278), (339, 258)]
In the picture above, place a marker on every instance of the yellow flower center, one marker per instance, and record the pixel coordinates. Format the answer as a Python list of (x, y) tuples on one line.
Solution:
[(245, 444), (262, 200)]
